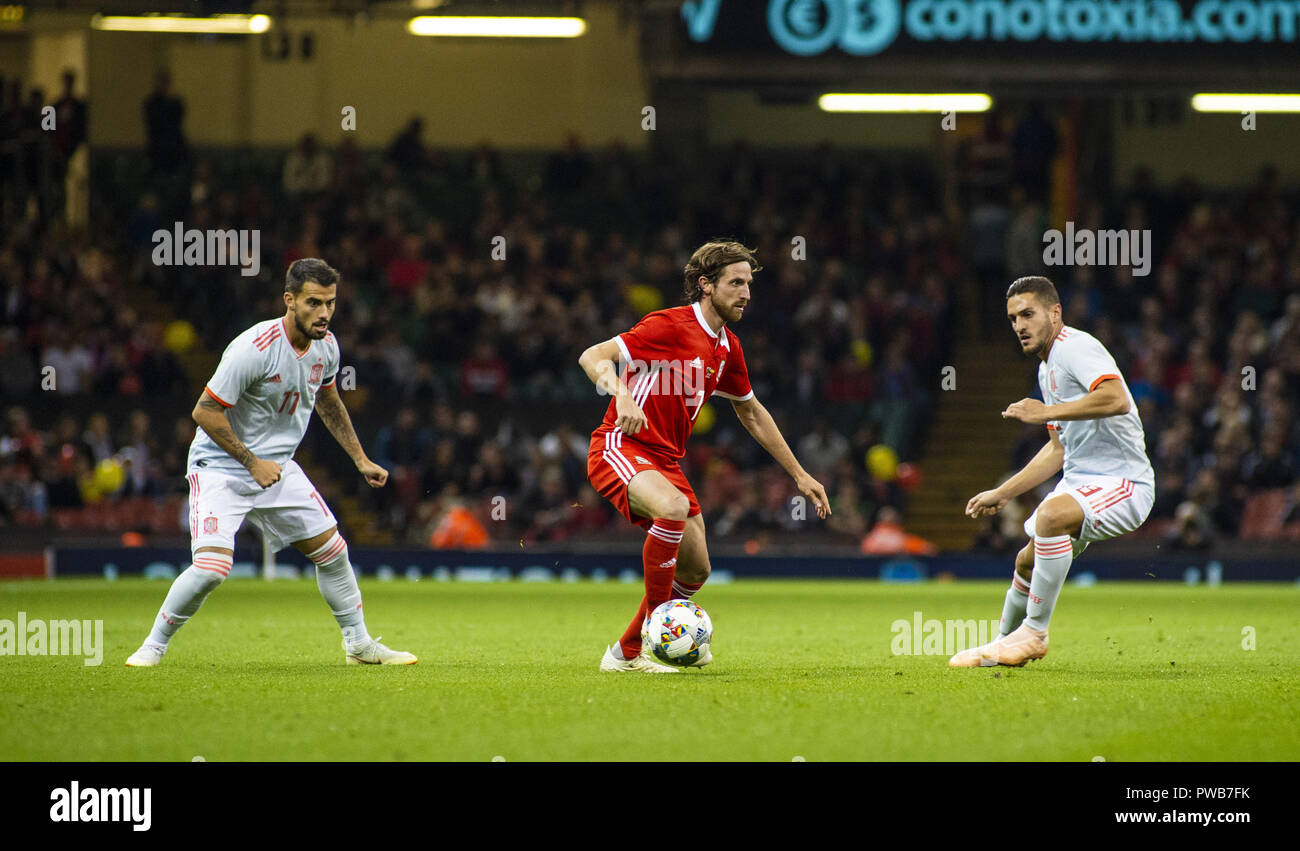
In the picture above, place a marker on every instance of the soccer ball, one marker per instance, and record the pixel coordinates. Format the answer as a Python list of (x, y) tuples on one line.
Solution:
[(677, 633)]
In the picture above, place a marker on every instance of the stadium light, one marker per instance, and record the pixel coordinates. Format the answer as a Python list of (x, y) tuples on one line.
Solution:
[(217, 24), (496, 27), (1239, 103), (905, 103)]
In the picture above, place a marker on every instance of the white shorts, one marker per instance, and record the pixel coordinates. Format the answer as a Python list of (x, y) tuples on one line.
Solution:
[(1111, 507), (288, 511)]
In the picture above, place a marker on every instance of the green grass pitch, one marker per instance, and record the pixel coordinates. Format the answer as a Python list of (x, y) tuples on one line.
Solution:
[(1137, 671)]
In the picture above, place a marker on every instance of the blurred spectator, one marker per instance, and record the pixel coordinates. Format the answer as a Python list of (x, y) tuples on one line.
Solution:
[(408, 268), (67, 466), (18, 375), (97, 437), (848, 518), (986, 235), (888, 538), (484, 373), (164, 117), (71, 360), (898, 389), (1193, 527), (407, 150), (1025, 240), (1272, 465), (1033, 148), (308, 170), (71, 159), (458, 529), (821, 448), (567, 171)]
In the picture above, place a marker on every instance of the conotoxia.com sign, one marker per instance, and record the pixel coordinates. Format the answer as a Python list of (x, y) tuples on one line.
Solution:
[(866, 27)]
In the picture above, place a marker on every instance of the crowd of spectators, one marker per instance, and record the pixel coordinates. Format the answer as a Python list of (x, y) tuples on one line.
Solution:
[(470, 288), (42, 149), (66, 325), (84, 461), (472, 282), (469, 292)]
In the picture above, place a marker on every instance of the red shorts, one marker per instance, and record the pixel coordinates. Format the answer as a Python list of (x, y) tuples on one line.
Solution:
[(614, 458)]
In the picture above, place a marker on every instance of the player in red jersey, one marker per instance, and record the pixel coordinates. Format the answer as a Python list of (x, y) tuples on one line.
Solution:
[(676, 359)]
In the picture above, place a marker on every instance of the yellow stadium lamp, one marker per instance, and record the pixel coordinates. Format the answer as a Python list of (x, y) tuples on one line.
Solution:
[(496, 26), (846, 102), (213, 24), (1224, 102)]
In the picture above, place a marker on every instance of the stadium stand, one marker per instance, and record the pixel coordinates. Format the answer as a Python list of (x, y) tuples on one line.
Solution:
[(466, 382)]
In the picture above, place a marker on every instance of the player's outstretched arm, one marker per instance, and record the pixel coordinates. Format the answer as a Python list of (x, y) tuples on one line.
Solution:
[(598, 362), (210, 416), (1107, 399), (330, 408), (1041, 467), (758, 422)]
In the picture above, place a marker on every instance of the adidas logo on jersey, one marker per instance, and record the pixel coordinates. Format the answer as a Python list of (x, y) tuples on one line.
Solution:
[(274, 379), (639, 459)]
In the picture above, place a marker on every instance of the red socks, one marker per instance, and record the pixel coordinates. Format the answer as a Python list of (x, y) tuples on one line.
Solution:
[(659, 560), (630, 643)]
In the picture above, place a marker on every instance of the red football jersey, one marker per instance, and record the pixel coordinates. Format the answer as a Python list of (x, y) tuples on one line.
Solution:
[(672, 362)]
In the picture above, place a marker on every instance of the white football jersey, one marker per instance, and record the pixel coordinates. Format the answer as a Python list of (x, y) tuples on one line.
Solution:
[(1110, 446), (269, 391)]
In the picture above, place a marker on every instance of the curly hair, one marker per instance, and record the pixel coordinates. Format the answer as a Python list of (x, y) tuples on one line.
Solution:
[(709, 260)]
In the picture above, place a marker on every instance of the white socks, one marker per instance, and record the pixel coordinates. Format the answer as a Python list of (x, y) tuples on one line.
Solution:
[(1013, 608), (188, 592), (1052, 558), (338, 585), (334, 577)]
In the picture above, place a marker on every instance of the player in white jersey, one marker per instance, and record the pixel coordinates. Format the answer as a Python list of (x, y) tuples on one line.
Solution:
[(251, 417), (1108, 486)]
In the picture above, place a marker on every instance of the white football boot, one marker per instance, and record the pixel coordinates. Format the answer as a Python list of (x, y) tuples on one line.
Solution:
[(147, 656), (641, 663), (705, 658), (980, 656), (1014, 650), (371, 652)]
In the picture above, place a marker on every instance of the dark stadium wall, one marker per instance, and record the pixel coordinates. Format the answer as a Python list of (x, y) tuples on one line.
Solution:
[(14, 55), (1211, 147), (525, 94), (531, 96), (41, 59)]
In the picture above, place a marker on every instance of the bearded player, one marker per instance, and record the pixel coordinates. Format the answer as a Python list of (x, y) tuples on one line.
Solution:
[(676, 359), (1094, 433), (251, 418)]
